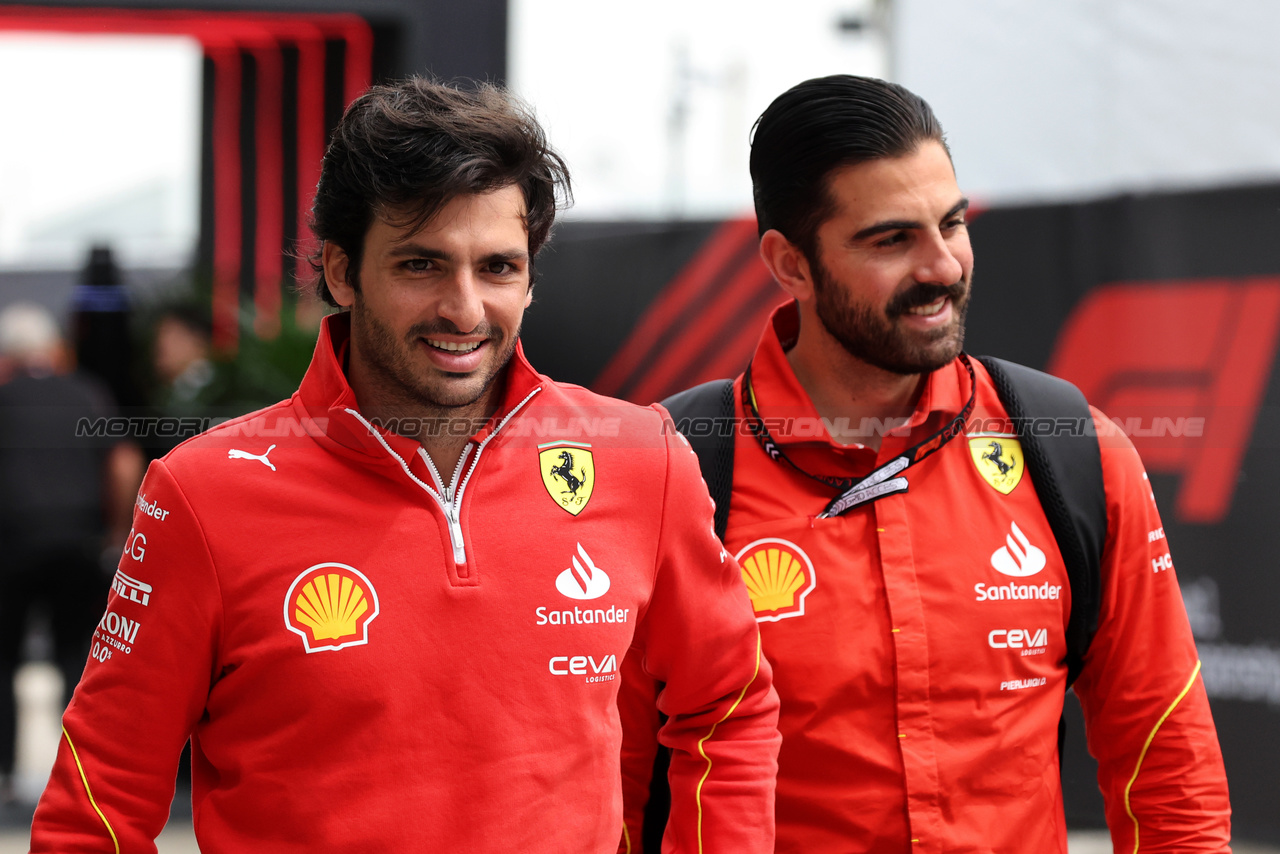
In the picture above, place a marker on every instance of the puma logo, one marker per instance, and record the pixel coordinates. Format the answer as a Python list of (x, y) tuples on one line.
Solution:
[(237, 454)]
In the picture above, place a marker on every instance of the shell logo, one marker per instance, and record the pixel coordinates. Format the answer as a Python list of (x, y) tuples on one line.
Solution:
[(779, 576), (330, 605)]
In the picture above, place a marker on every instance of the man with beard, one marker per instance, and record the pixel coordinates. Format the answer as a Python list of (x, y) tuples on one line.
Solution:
[(388, 611), (919, 636)]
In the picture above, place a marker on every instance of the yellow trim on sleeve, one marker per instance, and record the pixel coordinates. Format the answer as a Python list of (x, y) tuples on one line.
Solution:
[(707, 773), (1143, 755), (87, 791), (626, 837)]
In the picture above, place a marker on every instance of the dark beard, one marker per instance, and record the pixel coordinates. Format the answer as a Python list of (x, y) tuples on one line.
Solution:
[(876, 340), (386, 357)]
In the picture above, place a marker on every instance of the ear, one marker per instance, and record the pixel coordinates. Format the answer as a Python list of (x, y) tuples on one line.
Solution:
[(336, 267), (787, 264)]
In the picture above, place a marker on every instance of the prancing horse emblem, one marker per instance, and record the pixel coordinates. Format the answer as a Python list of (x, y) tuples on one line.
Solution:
[(564, 471), (994, 456), (568, 473), (998, 458)]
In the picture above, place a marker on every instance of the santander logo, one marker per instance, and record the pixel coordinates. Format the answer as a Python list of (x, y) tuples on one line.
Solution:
[(1017, 557), (584, 580)]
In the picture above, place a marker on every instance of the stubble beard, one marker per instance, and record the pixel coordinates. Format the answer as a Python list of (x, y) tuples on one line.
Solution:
[(872, 336), (407, 388)]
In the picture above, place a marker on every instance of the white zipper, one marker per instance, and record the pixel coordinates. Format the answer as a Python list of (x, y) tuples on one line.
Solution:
[(448, 498), (452, 510)]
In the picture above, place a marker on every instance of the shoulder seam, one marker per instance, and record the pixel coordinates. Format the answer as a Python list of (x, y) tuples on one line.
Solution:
[(287, 403)]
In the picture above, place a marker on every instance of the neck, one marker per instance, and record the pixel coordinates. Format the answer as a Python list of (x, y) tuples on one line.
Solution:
[(440, 442), (842, 386), (436, 428)]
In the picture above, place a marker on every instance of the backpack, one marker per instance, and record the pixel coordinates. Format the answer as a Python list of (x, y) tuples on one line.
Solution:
[(1061, 453)]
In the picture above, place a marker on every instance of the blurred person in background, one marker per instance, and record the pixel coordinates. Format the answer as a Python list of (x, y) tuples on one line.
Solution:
[(65, 501), (181, 359), (100, 323), (923, 639), (189, 384)]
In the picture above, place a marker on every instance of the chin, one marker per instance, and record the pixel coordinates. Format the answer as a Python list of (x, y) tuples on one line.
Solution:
[(451, 398), (920, 359)]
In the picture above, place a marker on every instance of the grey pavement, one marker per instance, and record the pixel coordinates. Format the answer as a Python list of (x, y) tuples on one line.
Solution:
[(178, 839)]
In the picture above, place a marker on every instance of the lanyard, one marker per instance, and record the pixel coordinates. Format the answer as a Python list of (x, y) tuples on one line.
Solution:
[(886, 479)]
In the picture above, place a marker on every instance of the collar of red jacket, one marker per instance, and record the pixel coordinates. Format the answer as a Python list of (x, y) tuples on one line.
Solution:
[(779, 394), (325, 393)]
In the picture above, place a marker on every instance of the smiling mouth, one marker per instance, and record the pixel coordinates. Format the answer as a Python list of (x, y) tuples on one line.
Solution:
[(454, 346), (929, 309)]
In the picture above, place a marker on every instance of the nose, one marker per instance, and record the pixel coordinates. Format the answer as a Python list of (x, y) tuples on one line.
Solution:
[(940, 259), (461, 302)]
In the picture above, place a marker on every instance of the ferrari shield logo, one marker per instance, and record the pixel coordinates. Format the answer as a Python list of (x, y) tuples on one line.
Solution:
[(999, 461), (568, 473)]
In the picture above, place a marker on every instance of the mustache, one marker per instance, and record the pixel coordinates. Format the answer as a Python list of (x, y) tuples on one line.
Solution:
[(441, 326), (923, 293)]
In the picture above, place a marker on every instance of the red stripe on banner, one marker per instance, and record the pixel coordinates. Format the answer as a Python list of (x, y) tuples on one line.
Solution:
[(731, 356), (355, 31), (673, 301), (269, 224), (1224, 336), (713, 325), (311, 133), (1245, 366), (226, 194), (727, 356), (222, 36)]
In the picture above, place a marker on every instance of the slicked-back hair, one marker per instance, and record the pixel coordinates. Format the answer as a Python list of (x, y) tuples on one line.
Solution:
[(404, 150), (819, 126)]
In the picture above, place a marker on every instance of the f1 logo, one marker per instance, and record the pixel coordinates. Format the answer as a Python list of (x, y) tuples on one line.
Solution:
[(1157, 356)]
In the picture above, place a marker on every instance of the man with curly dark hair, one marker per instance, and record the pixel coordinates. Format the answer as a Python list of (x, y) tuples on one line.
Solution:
[(389, 611)]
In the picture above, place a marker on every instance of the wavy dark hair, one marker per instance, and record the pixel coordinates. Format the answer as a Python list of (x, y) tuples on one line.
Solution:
[(818, 126), (406, 149)]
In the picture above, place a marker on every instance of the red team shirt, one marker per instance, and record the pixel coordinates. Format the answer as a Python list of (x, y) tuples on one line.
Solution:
[(918, 642), (369, 660)]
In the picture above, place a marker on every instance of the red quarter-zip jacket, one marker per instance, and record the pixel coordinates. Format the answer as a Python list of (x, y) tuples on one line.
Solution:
[(918, 641), (368, 659)]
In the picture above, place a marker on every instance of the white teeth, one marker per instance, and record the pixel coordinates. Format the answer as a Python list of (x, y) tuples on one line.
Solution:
[(454, 346), (930, 309)]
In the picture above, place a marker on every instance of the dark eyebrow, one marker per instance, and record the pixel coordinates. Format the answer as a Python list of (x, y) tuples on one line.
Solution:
[(901, 224), (514, 255), (417, 250), (959, 208)]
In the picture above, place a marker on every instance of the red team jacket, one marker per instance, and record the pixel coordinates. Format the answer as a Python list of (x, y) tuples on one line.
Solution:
[(369, 660), (917, 642)]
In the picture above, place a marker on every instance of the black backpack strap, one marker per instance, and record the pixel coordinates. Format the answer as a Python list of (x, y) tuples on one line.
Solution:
[(704, 415), (1055, 428)]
